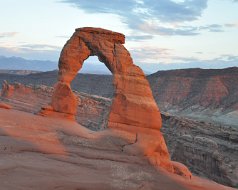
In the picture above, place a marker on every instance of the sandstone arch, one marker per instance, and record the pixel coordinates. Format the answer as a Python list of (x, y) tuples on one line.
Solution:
[(133, 108), (133, 103)]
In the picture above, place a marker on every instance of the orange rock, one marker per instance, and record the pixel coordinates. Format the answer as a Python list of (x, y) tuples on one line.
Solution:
[(63, 99), (133, 108)]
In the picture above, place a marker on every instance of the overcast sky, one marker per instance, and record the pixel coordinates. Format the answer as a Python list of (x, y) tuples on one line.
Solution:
[(160, 34)]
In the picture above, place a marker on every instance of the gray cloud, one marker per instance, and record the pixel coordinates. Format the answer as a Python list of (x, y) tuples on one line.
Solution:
[(149, 16), (139, 37), (168, 31), (7, 34), (167, 10), (181, 30), (232, 25), (138, 14), (31, 53), (163, 10), (213, 28)]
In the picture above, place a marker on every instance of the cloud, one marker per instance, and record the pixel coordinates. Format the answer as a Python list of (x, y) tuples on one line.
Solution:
[(31, 51), (153, 17), (139, 37), (139, 14), (213, 28), (223, 61), (172, 11), (232, 25), (150, 54), (153, 59), (156, 29), (39, 47), (163, 10), (8, 34)]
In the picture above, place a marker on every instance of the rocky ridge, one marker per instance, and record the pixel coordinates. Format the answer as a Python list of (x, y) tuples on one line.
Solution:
[(205, 94)]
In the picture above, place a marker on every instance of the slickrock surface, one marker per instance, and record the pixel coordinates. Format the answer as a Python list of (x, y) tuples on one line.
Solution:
[(133, 106), (179, 133), (46, 153)]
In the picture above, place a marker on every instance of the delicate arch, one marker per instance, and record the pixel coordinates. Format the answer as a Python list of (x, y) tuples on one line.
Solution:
[(133, 108), (133, 103)]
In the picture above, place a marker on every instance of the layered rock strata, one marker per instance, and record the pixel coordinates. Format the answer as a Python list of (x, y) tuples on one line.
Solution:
[(208, 150)]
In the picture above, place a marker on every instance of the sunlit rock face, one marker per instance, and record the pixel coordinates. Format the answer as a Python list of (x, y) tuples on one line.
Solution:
[(133, 107), (133, 103)]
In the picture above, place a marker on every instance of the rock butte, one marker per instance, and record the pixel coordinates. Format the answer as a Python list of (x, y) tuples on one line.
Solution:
[(133, 108)]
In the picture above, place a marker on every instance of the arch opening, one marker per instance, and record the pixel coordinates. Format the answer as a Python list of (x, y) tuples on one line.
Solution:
[(94, 88), (92, 65)]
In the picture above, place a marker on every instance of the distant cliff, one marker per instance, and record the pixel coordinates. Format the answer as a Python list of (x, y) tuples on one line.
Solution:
[(198, 93)]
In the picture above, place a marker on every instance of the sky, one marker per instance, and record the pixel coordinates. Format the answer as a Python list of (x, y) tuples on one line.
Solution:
[(160, 34)]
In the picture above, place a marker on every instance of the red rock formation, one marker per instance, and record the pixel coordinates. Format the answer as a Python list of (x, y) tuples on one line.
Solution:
[(64, 99), (132, 91), (133, 108)]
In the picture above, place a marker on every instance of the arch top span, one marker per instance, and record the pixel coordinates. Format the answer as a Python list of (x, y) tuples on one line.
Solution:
[(107, 34)]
